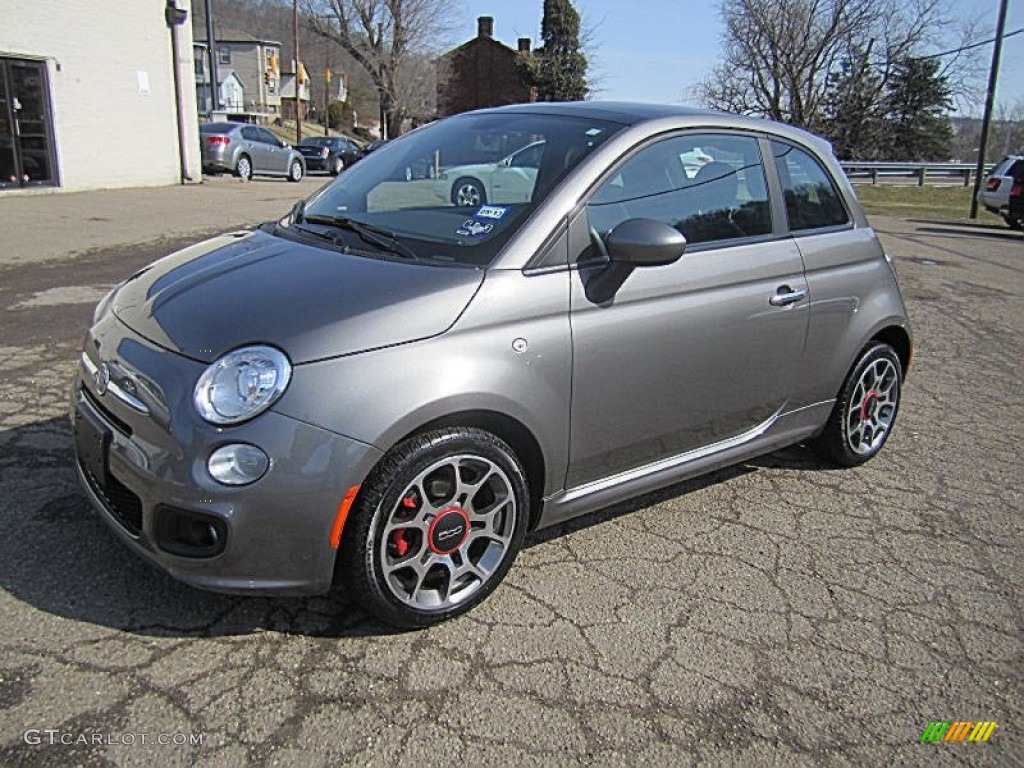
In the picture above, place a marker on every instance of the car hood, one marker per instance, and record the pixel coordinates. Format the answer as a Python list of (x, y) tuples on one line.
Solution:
[(458, 171), (311, 302)]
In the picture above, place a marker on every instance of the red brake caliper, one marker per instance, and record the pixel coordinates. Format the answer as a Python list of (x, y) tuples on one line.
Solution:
[(865, 404), (400, 537), (400, 541)]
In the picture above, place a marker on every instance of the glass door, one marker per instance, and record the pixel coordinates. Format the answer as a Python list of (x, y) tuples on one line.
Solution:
[(26, 139)]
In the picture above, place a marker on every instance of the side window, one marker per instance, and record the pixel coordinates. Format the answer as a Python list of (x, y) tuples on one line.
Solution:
[(528, 158), (267, 137), (711, 187), (250, 133), (812, 201)]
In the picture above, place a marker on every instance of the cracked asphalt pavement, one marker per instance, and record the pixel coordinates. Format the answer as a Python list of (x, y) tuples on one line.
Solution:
[(775, 613)]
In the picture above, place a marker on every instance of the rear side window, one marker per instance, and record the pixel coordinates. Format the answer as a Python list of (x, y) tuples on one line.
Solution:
[(812, 200)]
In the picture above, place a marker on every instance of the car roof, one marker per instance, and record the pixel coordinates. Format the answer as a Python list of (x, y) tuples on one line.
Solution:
[(223, 127), (624, 112), (635, 113)]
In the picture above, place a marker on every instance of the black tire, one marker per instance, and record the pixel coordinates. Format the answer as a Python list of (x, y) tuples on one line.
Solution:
[(1014, 223), (296, 170), (435, 528), (865, 410), (337, 166), (243, 168), (467, 192)]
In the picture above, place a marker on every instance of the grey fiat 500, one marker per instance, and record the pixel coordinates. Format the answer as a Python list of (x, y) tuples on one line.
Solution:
[(387, 390)]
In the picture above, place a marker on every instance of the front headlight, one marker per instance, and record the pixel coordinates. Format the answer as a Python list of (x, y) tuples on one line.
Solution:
[(242, 384)]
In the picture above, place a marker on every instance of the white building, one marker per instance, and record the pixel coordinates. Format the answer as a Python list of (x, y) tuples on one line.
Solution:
[(96, 95)]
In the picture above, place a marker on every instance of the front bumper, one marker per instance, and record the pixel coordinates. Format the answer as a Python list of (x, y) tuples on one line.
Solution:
[(142, 475)]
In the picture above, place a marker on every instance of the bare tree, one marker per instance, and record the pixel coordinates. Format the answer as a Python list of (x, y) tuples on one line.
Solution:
[(778, 54), (390, 39)]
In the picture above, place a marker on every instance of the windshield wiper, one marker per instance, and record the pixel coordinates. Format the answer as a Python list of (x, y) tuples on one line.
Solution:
[(328, 236), (383, 238)]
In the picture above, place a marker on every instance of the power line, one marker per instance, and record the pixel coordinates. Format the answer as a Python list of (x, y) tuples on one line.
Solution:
[(963, 48)]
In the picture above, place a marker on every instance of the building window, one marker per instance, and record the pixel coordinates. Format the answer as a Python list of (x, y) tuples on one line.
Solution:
[(200, 67), (225, 54)]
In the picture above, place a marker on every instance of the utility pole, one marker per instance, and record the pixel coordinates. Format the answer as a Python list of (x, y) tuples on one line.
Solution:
[(298, 80), (993, 76), (211, 56)]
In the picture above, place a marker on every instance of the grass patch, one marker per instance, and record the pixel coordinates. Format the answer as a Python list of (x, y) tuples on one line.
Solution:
[(927, 202)]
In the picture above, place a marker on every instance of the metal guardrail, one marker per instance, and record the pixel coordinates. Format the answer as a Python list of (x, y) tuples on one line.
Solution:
[(922, 173)]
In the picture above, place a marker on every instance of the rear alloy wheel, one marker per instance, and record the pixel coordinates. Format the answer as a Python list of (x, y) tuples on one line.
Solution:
[(865, 411), (244, 168), (1013, 222), (337, 167), (436, 527), (296, 171), (468, 193)]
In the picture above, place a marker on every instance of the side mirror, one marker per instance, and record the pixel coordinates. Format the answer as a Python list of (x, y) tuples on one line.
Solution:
[(634, 243), (645, 243)]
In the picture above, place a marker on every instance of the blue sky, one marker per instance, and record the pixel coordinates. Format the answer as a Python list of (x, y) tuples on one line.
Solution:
[(656, 50)]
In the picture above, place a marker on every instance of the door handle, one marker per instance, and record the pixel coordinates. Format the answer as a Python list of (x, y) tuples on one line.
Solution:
[(786, 296)]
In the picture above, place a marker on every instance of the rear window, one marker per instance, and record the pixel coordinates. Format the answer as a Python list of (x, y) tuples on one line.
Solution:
[(812, 200), (216, 127)]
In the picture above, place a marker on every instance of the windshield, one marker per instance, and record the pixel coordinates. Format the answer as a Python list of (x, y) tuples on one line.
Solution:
[(455, 191)]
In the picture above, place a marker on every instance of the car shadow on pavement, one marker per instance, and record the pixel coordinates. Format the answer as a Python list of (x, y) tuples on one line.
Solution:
[(59, 557), (796, 457)]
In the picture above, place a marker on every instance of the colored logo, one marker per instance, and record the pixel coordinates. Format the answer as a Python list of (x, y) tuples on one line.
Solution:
[(102, 378), (960, 730)]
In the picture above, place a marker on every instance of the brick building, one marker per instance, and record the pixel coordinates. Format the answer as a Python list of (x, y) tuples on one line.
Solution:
[(481, 73)]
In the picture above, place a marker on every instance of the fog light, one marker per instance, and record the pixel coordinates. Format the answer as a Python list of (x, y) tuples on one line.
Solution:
[(237, 464)]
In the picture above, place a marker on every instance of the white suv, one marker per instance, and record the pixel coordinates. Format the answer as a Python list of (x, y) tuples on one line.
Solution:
[(995, 195)]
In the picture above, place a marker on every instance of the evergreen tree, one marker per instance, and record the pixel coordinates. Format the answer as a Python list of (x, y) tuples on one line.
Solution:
[(851, 115), (917, 123), (558, 69)]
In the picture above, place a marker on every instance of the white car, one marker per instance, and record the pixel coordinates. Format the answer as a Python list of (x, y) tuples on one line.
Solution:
[(510, 180), (994, 196)]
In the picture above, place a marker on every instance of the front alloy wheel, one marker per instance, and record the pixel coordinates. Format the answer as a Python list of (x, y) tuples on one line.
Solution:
[(468, 193), (296, 171), (439, 523)]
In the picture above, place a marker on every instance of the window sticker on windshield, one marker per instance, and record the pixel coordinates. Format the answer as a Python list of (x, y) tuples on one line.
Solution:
[(594, 132), (474, 228), (491, 212)]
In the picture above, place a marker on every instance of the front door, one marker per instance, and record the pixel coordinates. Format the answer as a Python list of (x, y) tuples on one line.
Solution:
[(701, 351), (26, 143)]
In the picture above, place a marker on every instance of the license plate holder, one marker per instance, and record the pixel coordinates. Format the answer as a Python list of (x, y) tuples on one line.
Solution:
[(92, 443)]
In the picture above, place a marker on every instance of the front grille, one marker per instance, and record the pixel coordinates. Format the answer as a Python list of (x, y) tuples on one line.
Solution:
[(123, 505), (123, 427)]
